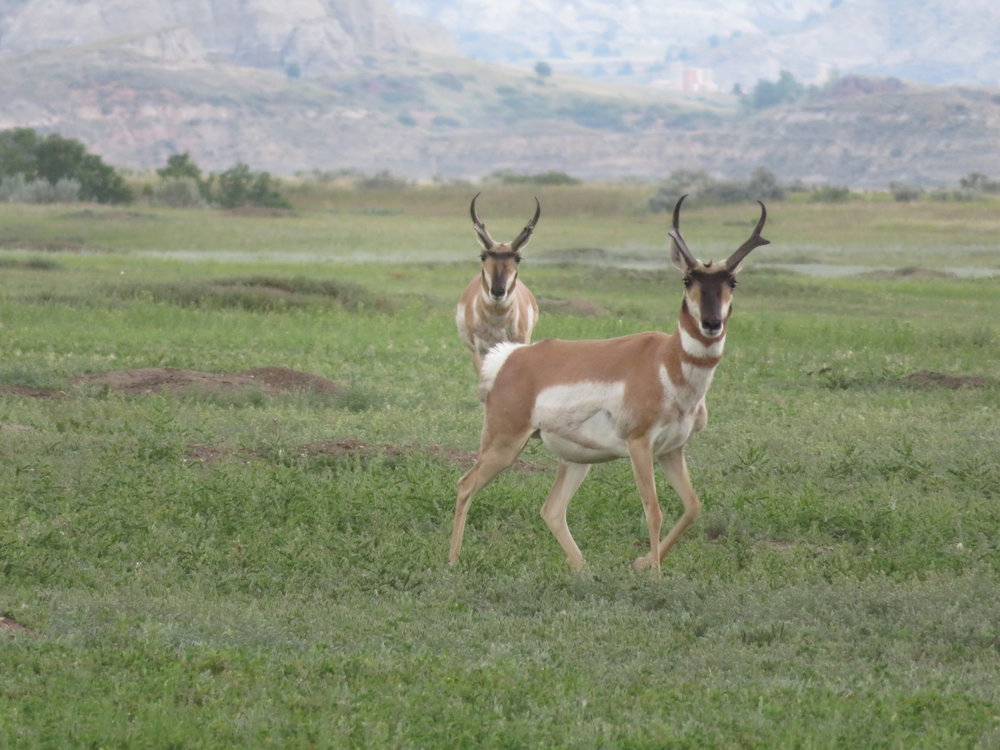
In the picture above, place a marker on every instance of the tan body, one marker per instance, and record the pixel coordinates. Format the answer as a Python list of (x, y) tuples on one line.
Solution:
[(496, 307), (483, 321), (639, 397)]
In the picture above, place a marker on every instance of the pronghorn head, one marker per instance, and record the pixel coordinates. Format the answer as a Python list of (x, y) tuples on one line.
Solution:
[(708, 287), (500, 259)]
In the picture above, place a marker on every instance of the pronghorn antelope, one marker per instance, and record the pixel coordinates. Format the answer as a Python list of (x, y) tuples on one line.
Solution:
[(494, 307), (638, 397)]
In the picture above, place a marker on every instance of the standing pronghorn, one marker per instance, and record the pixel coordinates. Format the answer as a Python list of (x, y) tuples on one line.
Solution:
[(494, 307), (638, 397)]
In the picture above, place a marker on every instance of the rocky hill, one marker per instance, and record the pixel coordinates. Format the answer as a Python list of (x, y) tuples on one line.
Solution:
[(303, 37), (346, 84), (731, 42)]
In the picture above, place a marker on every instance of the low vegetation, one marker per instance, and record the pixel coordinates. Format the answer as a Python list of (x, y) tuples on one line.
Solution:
[(247, 547)]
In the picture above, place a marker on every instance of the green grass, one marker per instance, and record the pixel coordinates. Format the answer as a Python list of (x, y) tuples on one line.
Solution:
[(210, 569)]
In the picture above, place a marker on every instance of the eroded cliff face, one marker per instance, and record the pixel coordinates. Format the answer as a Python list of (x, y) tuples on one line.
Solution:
[(309, 37)]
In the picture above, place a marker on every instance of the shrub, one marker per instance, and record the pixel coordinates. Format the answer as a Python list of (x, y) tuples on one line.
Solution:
[(179, 192), (239, 186), (761, 185), (977, 182), (829, 194), (509, 177), (904, 193), (384, 180), (18, 189)]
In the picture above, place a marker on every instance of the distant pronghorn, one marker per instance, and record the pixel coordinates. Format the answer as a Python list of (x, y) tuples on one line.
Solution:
[(494, 307), (638, 397)]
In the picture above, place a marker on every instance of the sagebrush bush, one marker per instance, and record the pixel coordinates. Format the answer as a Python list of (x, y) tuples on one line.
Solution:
[(19, 189), (179, 192)]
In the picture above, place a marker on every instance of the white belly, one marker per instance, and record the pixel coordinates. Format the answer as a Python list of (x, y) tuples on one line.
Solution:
[(587, 423)]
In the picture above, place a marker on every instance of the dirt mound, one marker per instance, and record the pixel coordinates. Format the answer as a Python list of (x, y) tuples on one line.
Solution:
[(929, 379), (271, 380)]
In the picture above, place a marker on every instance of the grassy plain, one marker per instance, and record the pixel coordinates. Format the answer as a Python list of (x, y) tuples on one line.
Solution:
[(236, 568)]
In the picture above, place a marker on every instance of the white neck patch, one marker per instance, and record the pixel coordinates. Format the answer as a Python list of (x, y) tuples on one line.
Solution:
[(695, 348)]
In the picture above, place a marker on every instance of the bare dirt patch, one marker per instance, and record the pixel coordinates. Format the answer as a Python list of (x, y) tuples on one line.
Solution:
[(9, 625), (271, 380), (929, 379), (23, 390)]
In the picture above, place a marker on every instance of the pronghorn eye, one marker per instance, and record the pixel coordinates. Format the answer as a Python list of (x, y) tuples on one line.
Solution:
[(517, 259), (482, 257), (732, 283), (687, 282)]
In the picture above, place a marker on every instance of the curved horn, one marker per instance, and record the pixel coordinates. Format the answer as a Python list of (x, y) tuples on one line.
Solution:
[(675, 235), (755, 240), (525, 235), (484, 236)]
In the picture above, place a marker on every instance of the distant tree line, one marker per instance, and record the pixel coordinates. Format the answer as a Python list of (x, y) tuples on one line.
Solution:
[(787, 89), (54, 169), (762, 184)]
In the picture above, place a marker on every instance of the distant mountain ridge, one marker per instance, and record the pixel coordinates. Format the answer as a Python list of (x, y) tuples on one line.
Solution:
[(296, 85), (306, 37), (943, 42)]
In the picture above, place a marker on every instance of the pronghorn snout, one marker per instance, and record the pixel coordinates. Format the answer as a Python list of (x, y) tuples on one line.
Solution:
[(711, 326), (498, 292)]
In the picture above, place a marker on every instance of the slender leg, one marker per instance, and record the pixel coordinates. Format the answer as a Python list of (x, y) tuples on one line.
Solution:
[(641, 454), (569, 476), (494, 457), (675, 467)]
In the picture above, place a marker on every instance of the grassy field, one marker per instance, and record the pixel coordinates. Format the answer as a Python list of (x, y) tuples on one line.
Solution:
[(263, 565)]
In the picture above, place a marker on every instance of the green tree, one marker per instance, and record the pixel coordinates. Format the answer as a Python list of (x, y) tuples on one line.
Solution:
[(178, 166), (239, 186), (772, 93), (17, 153), (54, 158), (181, 169)]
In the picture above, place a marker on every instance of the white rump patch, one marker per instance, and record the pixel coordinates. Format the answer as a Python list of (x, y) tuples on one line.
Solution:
[(492, 363)]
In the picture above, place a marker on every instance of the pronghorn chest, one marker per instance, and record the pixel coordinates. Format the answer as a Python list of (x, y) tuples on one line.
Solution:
[(496, 322)]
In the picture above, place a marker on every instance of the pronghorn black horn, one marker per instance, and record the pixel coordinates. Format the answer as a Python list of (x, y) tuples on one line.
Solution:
[(525, 235), (755, 241), (675, 235), (484, 236)]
